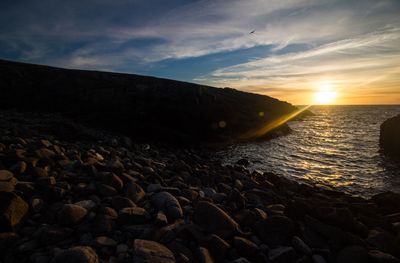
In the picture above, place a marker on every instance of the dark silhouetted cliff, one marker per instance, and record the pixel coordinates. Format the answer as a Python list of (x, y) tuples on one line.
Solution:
[(139, 106)]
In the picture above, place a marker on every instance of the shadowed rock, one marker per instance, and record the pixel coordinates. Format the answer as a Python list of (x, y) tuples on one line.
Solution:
[(79, 254), (12, 211), (214, 220), (146, 251), (389, 139)]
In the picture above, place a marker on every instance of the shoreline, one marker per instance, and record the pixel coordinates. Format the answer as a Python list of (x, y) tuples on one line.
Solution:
[(71, 192)]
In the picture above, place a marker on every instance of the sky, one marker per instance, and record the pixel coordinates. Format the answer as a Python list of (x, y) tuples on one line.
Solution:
[(298, 47)]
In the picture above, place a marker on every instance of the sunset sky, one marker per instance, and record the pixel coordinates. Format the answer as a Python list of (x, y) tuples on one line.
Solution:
[(299, 47)]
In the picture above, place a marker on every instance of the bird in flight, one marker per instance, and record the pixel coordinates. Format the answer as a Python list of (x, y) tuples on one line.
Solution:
[(252, 32)]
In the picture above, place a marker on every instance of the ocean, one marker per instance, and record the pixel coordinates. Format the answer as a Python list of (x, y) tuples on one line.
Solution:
[(338, 147)]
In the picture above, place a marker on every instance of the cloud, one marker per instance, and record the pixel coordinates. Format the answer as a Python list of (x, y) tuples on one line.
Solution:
[(347, 42)]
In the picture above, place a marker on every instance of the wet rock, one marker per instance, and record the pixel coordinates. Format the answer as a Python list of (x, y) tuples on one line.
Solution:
[(352, 254), (146, 251), (71, 214), (133, 216), (13, 210), (274, 230), (214, 220), (78, 254), (168, 204)]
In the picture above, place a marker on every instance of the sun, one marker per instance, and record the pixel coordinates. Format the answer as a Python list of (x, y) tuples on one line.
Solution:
[(325, 95)]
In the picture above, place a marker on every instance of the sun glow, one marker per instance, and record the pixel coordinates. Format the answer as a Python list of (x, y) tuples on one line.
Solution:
[(325, 95)]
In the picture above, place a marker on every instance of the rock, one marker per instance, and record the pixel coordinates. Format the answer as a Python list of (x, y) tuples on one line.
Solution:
[(13, 210), (7, 239), (87, 204), (116, 166), (240, 260), (204, 256), (119, 202), (217, 246), (113, 180), (318, 259), (19, 167), (6, 187), (377, 256), (168, 204), (70, 214), (281, 255), (122, 248), (134, 192), (214, 220), (384, 241), (78, 254), (301, 246), (106, 190), (352, 254), (389, 139), (6, 175), (274, 230), (245, 247), (104, 241), (133, 216), (103, 224), (161, 219), (50, 235), (146, 251)]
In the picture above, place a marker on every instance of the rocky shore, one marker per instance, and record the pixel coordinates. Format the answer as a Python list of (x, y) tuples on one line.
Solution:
[(73, 194), (389, 139)]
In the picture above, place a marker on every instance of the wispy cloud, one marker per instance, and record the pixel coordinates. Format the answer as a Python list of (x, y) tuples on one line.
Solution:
[(345, 42)]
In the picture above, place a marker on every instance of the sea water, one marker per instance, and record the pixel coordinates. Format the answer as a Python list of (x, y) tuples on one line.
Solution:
[(338, 147)]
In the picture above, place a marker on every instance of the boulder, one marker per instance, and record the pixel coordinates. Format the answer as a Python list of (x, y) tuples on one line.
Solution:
[(78, 254), (133, 216), (70, 214), (214, 220), (146, 251), (13, 209), (389, 139), (134, 192), (169, 204), (352, 254), (274, 230)]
